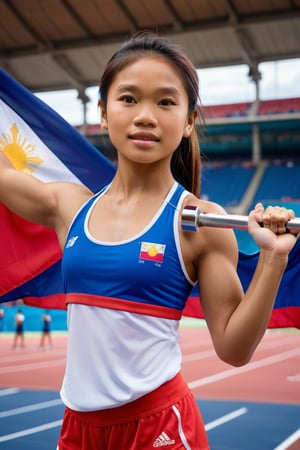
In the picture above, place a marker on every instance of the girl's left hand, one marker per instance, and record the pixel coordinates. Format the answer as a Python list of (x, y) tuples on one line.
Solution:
[(268, 228)]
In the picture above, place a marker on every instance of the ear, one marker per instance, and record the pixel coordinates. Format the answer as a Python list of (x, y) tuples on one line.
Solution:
[(103, 117), (190, 124)]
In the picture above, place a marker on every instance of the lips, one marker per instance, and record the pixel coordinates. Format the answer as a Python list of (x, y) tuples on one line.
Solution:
[(143, 136)]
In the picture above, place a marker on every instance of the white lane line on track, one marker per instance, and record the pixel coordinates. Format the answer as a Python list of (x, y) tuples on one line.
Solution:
[(247, 368), (215, 423), (266, 345), (33, 366), (30, 408), (227, 418), (9, 391), (198, 355), (38, 354), (293, 378), (28, 431), (211, 352), (289, 441)]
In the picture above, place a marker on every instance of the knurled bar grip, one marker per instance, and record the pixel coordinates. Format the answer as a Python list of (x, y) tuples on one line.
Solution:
[(192, 219)]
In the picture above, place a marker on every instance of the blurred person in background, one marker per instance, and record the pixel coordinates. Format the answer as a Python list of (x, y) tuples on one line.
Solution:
[(1, 320), (46, 330), (19, 330)]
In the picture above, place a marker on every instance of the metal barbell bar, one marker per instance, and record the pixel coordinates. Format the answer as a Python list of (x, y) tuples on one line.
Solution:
[(192, 219)]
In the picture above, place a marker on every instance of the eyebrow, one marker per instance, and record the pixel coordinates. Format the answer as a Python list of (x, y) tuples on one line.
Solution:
[(163, 90)]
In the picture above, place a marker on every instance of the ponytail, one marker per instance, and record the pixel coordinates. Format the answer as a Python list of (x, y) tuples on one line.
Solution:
[(186, 163)]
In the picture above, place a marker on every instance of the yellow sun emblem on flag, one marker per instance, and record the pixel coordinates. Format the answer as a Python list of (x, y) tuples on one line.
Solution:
[(152, 250), (19, 151)]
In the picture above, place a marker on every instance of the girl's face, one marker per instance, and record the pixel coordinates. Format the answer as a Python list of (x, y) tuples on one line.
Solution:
[(147, 110)]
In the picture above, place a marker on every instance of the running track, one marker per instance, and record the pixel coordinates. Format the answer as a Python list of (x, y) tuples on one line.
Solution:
[(255, 407)]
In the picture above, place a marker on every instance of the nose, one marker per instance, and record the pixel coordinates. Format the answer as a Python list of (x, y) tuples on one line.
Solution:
[(145, 115)]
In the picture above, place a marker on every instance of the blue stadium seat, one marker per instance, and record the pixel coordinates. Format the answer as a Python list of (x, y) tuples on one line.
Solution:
[(280, 183), (226, 184)]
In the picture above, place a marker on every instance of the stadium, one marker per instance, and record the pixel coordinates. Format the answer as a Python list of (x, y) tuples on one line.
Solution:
[(252, 148)]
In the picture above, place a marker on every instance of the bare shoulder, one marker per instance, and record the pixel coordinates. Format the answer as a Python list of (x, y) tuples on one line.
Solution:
[(62, 188), (204, 205), (69, 198), (69, 195), (208, 240)]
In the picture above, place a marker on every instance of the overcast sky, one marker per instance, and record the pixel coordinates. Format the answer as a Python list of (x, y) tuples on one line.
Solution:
[(280, 79)]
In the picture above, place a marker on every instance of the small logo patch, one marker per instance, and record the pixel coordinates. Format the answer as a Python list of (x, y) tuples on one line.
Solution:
[(162, 440), (152, 252), (71, 241)]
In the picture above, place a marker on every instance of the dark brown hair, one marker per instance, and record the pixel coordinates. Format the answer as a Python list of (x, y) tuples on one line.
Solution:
[(186, 161)]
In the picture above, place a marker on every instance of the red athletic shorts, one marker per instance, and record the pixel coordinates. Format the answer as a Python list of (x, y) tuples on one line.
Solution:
[(167, 418)]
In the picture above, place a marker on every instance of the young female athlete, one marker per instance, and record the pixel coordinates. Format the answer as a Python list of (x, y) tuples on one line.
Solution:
[(128, 267)]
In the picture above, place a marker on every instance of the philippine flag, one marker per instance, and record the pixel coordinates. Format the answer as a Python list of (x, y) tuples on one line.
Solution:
[(152, 252), (39, 142), (286, 311)]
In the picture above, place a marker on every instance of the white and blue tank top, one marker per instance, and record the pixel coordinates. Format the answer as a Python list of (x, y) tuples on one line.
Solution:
[(144, 274)]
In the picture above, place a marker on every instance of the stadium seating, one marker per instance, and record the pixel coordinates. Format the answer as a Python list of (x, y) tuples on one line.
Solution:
[(226, 183), (228, 110), (279, 106), (275, 106), (281, 182)]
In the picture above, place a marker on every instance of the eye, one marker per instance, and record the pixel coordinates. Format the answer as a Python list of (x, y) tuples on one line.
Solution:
[(167, 102), (127, 99)]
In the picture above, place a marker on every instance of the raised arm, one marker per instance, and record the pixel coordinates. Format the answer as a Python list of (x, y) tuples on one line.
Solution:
[(237, 321), (49, 204), (25, 195)]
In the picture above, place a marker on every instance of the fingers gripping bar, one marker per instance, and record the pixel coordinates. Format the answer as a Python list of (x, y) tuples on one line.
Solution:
[(192, 219)]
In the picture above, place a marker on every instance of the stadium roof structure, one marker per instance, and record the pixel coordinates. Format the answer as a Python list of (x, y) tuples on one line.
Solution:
[(61, 44)]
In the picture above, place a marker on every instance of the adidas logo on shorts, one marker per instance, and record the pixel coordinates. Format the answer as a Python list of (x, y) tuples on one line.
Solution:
[(162, 440)]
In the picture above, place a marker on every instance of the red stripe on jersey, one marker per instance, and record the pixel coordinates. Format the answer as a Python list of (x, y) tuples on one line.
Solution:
[(124, 305)]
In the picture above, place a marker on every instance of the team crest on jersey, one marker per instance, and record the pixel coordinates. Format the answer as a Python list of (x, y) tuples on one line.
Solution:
[(152, 252)]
